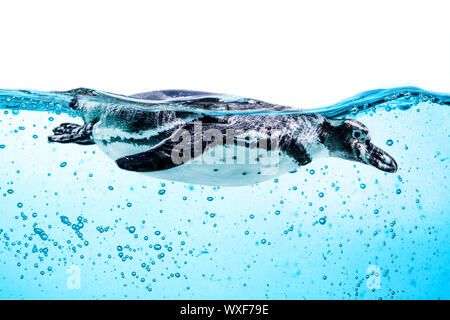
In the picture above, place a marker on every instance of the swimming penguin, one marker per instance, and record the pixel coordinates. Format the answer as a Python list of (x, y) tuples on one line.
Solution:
[(232, 148)]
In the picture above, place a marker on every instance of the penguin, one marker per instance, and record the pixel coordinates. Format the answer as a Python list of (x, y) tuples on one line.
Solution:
[(217, 148)]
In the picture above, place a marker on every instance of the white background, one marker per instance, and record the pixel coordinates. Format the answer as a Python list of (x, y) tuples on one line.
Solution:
[(300, 53)]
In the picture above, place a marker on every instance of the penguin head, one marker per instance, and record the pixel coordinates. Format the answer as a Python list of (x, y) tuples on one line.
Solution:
[(350, 140)]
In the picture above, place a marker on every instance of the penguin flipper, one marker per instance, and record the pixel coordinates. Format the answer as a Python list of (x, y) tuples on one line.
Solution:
[(73, 133), (296, 151), (167, 154), (155, 159)]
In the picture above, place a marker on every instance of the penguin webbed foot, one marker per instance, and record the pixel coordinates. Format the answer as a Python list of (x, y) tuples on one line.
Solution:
[(72, 133)]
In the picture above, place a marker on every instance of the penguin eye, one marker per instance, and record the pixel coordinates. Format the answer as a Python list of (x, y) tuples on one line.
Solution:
[(360, 135), (356, 134)]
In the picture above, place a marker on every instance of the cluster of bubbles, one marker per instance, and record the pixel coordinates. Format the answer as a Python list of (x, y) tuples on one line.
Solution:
[(298, 214)]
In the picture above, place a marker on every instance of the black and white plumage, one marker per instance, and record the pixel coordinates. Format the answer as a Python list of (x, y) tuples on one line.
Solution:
[(223, 149)]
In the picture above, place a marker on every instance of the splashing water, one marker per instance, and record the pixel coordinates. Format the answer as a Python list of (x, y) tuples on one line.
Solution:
[(73, 225)]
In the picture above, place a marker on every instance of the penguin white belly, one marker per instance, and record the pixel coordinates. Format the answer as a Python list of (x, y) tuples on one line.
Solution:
[(227, 165), (215, 168)]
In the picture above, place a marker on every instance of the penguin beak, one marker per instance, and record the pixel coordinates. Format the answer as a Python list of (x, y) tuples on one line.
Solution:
[(377, 157)]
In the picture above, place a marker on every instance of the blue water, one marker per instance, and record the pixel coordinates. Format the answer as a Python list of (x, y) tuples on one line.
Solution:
[(74, 226)]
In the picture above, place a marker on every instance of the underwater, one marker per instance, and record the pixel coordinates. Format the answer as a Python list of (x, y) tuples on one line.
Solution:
[(73, 225)]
